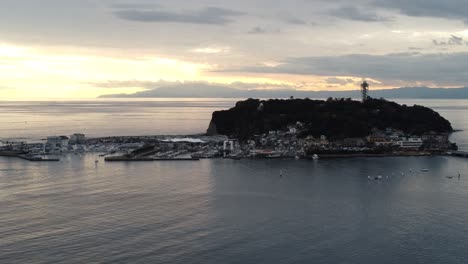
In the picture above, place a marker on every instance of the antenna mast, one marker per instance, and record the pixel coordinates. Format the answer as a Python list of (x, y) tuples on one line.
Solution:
[(365, 91)]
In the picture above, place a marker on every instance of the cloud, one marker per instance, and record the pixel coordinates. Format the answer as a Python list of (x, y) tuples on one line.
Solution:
[(134, 6), (209, 15), (119, 84), (212, 50), (449, 9), (353, 13), (261, 30), (339, 81), (296, 21), (411, 67), (452, 41), (257, 30)]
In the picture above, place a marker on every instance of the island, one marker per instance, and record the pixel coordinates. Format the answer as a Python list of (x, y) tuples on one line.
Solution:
[(331, 128), (269, 129)]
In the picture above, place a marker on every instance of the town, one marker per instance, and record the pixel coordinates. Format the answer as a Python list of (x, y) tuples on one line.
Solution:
[(288, 143)]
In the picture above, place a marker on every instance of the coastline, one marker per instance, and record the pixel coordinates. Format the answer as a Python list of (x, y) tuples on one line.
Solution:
[(382, 155)]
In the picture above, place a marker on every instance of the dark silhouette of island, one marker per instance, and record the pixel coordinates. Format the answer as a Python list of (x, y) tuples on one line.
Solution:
[(200, 90), (336, 118)]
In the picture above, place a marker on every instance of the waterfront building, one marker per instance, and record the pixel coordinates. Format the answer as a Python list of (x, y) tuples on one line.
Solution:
[(353, 142), (77, 139), (436, 138), (376, 138), (229, 145), (436, 141), (59, 142), (384, 143), (324, 140), (410, 143)]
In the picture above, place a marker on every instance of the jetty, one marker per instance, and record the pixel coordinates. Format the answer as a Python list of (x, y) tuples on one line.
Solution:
[(25, 156), (37, 158)]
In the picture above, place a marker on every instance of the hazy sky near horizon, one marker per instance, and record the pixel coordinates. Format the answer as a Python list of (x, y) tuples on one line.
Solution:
[(82, 49)]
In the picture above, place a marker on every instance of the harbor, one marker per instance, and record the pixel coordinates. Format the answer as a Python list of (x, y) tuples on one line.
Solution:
[(279, 144)]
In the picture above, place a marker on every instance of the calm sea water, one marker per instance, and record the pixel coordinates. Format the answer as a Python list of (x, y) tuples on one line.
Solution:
[(223, 211), (113, 117), (133, 117)]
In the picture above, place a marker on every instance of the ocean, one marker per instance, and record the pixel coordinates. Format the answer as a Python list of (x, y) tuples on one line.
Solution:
[(35, 120), (222, 211)]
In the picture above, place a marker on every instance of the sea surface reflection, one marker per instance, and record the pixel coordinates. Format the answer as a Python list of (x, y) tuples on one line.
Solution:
[(227, 211)]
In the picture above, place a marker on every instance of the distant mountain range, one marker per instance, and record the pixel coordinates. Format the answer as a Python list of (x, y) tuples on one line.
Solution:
[(216, 91)]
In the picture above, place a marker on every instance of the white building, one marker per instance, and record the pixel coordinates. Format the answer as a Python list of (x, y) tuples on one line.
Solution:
[(292, 130), (410, 143)]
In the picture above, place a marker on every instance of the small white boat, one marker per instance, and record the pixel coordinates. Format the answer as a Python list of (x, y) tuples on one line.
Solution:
[(315, 157), (425, 170)]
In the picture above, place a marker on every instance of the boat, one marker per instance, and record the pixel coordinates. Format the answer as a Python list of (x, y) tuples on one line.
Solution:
[(275, 155), (315, 157), (450, 177), (378, 177), (425, 170), (235, 157)]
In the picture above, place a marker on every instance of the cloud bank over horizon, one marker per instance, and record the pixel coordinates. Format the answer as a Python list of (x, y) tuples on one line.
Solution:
[(261, 44)]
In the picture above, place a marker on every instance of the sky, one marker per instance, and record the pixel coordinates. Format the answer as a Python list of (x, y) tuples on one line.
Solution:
[(86, 48)]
